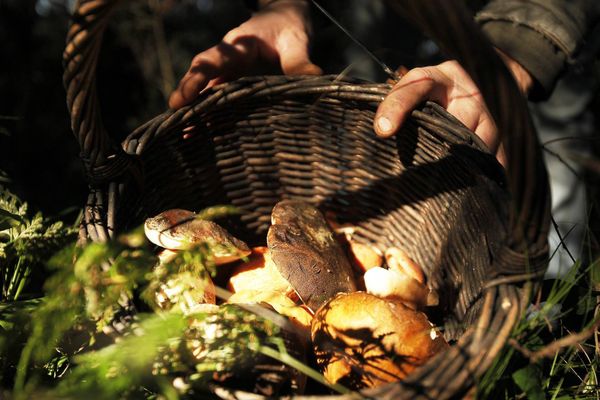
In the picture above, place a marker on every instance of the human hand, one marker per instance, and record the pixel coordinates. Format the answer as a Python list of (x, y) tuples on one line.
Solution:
[(275, 38), (449, 85)]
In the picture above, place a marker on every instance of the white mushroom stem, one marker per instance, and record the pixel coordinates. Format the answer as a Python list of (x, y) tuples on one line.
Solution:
[(387, 283), (165, 256)]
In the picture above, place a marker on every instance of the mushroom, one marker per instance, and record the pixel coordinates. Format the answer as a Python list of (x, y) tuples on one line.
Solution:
[(362, 256), (395, 285), (404, 281), (361, 340), (398, 260), (181, 230), (259, 273), (186, 293), (306, 253)]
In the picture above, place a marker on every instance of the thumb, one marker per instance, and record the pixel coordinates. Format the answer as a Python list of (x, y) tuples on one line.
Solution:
[(293, 57)]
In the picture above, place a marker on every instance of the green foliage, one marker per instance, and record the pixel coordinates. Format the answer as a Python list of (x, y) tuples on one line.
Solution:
[(25, 243), (88, 287), (119, 369), (169, 354), (15, 318), (529, 380), (521, 371), (70, 340)]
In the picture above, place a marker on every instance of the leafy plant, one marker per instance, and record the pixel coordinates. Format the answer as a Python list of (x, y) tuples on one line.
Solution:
[(550, 354), (88, 288), (171, 354), (79, 343), (25, 242)]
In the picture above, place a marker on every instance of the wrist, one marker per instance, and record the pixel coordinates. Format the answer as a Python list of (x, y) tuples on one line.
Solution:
[(301, 5), (295, 13), (522, 77)]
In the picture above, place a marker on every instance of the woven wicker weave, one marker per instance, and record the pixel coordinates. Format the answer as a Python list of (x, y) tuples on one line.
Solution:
[(433, 190)]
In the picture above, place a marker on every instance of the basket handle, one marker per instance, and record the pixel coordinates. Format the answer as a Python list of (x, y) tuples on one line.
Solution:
[(103, 158), (451, 25)]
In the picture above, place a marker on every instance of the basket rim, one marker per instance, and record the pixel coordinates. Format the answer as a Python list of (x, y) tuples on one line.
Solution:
[(331, 86)]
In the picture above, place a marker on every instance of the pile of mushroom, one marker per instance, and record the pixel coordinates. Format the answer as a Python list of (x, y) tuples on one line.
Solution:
[(310, 272)]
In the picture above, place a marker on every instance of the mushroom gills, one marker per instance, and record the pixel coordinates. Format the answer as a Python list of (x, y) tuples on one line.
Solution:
[(178, 229)]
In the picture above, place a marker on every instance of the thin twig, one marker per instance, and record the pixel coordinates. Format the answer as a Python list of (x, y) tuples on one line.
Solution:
[(562, 160), (562, 240), (551, 349), (531, 276), (523, 350)]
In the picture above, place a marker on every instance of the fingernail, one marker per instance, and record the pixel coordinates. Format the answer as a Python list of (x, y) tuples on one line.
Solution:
[(384, 125)]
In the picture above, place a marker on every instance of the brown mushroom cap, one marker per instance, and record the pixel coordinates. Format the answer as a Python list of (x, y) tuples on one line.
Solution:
[(307, 254), (180, 230), (361, 340)]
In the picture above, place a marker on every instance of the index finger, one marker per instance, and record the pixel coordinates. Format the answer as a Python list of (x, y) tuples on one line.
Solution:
[(418, 85)]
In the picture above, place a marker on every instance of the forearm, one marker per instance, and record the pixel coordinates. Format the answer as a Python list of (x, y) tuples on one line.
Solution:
[(262, 4), (522, 77), (296, 11), (543, 36)]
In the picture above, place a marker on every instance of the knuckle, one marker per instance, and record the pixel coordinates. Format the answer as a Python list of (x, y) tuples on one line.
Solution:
[(419, 73), (198, 59), (233, 34)]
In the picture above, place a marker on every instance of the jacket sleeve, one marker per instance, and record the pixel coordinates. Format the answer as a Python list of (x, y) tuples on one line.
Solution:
[(542, 35)]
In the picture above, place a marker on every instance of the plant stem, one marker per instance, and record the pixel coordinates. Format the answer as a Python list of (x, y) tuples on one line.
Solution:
[(306, 370), (13, 281), (22, 283)]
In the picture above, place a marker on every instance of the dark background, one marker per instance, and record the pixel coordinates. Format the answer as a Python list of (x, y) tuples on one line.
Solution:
[(147, 47)]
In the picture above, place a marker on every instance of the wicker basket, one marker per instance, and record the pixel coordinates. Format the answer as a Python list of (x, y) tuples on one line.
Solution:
[(433, 190)]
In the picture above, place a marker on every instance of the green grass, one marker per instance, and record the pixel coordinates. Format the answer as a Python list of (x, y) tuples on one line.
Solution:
[(553, 351)]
